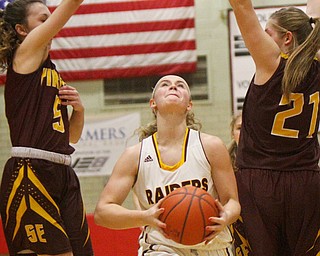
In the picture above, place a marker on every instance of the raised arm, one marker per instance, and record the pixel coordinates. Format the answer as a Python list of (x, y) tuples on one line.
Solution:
[(41, 35), (264, 51), (313, 10), (36, 43)]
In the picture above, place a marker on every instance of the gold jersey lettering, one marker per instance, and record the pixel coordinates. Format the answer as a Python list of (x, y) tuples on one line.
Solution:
[(35, 233), (297, 100), (58, 124), (53, 78)]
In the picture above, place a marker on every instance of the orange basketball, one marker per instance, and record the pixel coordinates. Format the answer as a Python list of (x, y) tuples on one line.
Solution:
[(186, 214)]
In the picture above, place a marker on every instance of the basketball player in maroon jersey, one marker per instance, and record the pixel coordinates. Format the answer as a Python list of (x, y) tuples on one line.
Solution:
[(277, 159), (41, 205)]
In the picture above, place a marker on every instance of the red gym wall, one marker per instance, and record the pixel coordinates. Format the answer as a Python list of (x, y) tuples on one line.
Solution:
[(105, 241)]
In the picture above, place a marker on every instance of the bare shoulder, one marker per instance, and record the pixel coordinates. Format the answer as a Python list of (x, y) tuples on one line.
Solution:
[(127, 164), (211, 142), (216, 152), (132, 151)]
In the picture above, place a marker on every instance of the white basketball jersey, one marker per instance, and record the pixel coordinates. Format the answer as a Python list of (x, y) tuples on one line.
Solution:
[(155, 180)]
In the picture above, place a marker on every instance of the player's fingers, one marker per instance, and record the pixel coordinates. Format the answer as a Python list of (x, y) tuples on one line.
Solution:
[(161, 229), (158, 204), (159, 211), (214, 227), (217, 220), (67, 87), (161, 224)]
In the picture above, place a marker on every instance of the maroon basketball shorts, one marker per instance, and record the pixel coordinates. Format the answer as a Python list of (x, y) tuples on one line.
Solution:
[(42, 208), (280, 211), (241, 243)]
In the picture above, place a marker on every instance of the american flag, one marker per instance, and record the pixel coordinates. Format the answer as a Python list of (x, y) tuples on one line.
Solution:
[(3, 3), (108, 39)]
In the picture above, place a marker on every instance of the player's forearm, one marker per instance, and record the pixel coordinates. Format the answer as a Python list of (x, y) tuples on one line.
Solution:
[(76, 125), (241, 4), (313, 8), (313, 11), (114, 216)]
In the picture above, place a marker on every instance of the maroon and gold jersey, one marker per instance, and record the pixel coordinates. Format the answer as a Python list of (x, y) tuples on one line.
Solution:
[(33, 108), (280, 136)]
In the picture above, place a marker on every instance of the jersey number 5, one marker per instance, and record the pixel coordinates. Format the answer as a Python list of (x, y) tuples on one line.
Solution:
[(297, 107), (59, 125)]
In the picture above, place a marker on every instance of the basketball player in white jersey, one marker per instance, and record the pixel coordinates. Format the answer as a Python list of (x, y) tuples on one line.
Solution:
[(172, 154)]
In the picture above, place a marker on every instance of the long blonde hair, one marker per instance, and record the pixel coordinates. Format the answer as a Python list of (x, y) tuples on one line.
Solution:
[(306, 44)]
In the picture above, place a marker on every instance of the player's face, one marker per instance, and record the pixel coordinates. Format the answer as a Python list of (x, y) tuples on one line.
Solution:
[(38, 13), (172, 89), (236, 129)]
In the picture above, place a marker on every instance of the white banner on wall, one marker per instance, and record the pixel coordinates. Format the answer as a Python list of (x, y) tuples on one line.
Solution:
[(242, 65), (102, 142)]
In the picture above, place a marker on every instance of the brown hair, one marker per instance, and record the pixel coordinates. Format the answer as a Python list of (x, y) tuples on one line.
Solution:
[(306, 43), (14, 13)]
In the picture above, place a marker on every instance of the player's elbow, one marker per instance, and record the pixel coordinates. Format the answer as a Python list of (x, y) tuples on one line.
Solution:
[(73, 139), (74, 136), (98, 217), (102, 215)]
